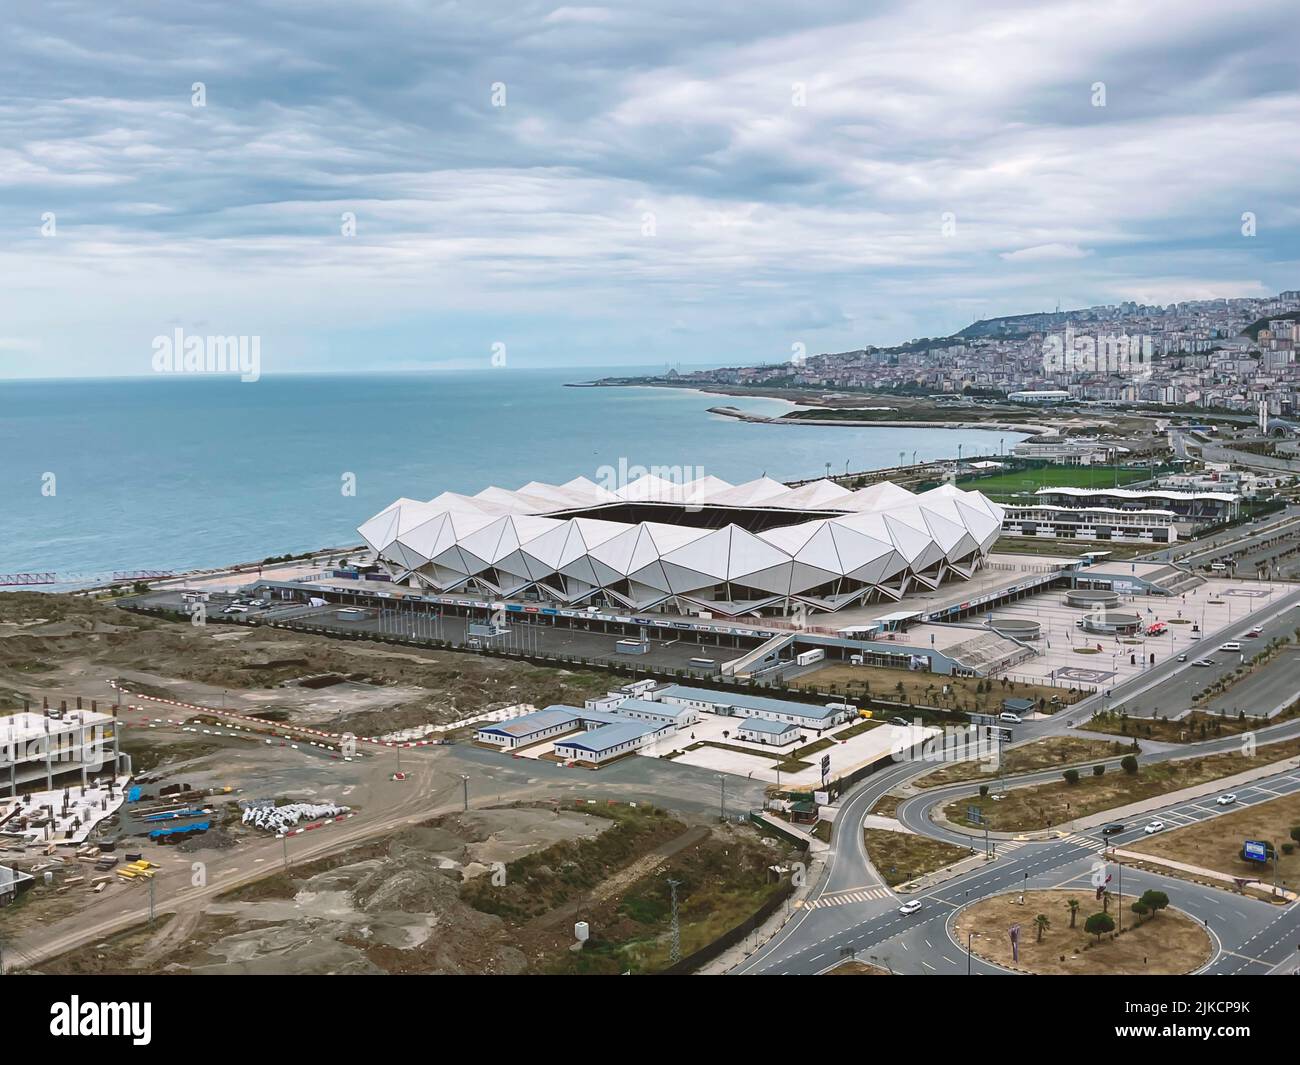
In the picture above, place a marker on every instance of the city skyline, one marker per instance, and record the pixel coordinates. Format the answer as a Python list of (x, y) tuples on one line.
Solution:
[(585, 186)]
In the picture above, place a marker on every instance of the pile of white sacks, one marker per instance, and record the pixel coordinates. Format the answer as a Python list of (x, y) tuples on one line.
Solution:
[(280, 818)]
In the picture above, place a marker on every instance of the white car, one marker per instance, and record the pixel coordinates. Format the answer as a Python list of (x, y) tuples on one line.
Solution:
[(910, 907), (1226, 800), (1154, 826), (1202, 662)]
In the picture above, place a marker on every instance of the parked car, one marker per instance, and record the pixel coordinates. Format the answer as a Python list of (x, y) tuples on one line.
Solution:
[(910, 907), (1153, 827), (1227, 800)]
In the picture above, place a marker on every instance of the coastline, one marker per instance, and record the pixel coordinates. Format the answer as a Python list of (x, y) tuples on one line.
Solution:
[(821, 401), (914, 423)]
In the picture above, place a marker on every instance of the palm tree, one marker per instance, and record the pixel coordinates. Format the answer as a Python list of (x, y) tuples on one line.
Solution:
[(1074, 909), (1042, 924)]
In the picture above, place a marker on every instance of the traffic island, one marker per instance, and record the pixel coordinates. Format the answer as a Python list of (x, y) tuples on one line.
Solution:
[(1162, 942)]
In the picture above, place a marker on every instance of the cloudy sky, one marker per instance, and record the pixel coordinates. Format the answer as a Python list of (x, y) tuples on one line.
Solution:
[(667, 181)]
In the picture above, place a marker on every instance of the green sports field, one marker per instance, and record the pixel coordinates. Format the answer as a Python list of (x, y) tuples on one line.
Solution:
[(1023, 482)]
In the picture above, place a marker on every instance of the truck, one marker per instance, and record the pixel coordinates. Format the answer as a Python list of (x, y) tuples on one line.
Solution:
[(807, 658)]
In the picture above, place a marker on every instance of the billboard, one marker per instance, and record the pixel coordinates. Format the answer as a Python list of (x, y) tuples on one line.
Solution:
[(1254, 850)]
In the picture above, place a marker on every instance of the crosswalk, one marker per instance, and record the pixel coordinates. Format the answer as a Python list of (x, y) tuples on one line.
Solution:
[(1008, 846), (843, 898)]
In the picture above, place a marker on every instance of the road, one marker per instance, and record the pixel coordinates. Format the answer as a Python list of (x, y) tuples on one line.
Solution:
[(847, 911)]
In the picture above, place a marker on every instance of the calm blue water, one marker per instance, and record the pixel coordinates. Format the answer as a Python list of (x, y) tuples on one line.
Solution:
[(176, 472)]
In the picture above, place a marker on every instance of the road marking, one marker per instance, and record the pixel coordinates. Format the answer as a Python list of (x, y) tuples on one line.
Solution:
[(841, 899)]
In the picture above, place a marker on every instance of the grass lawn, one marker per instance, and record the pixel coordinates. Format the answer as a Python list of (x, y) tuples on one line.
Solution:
[(902, 856), (1063, 548), (1216, 844), (1041, 754), (1045, 805), (1029, 481), (1167, 944), (924, 689)]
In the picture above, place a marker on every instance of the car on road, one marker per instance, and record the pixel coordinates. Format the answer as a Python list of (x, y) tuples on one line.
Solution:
[(1227, 800), (1182, 658), (1112, 829), (235, 610), (1203, 662), (1009, 717), (1153, 827), (909, 907), (1254, 634), (1231, 645), (899, 721)]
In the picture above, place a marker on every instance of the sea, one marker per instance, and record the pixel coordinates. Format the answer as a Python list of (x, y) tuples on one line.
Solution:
[(102, 477)]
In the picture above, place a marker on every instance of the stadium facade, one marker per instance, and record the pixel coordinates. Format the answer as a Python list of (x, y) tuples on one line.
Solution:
[(654, 545)]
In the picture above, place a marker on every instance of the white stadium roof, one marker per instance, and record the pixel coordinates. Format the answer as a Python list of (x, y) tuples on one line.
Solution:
[(558, 541)]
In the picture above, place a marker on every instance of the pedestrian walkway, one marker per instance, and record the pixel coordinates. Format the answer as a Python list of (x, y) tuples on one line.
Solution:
[(843, 898)]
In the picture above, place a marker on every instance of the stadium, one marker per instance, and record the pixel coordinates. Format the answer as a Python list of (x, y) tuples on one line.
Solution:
[(706, 546)]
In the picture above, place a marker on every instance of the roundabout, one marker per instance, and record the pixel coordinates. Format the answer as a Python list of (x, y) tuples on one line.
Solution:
[(1162, 943)]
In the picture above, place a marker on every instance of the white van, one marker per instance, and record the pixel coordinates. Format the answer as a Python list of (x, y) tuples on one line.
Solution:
[(1009, 717), (1231, 645), (1217, 567)]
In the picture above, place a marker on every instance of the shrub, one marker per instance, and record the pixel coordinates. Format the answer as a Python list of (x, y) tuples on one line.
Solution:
[(1098, 770), (1071, 776), (1129, 764)]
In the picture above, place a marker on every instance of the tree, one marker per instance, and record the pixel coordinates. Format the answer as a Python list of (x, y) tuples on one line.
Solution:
[(1098, 925), (984, 790), (1295, 833), (1141, 909), (1071, 776), (1073, 904), (1042, 923), (1129, 764), (1153, 900)]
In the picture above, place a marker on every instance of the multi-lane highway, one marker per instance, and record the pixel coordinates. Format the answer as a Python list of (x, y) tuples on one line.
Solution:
[(850, 910)]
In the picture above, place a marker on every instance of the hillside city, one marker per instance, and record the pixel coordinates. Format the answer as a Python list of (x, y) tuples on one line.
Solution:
[(1229, 354)]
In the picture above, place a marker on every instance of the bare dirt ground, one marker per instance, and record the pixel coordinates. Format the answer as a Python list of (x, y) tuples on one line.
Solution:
[(1046, 805), (60, 647), (903, 856), (422, 900), (1167, 944), (1041, 754), (927, 689), (1216, 844)]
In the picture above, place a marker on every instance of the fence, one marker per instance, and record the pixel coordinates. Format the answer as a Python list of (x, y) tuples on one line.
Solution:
[(729, 939)]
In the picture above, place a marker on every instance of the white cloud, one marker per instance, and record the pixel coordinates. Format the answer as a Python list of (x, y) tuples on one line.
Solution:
[(767, 216)]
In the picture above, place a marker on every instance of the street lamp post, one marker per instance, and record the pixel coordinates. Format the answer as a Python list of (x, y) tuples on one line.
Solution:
[(969, 937)]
